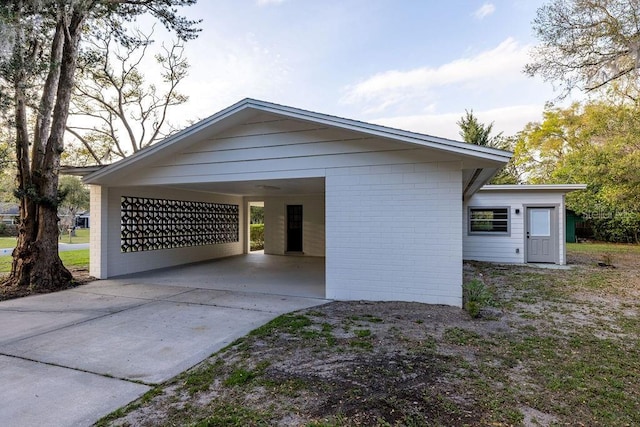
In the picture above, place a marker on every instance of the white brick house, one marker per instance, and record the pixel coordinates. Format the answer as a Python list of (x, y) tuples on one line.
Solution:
[(385, 207)]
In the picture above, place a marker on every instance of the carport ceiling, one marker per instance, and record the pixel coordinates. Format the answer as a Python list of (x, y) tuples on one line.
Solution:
[(270, 187)]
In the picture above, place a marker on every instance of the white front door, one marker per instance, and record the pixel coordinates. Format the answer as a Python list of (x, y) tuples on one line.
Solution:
[(541, 235)]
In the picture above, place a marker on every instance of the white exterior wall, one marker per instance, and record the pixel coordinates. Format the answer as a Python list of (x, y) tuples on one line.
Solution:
[(106, 258), (388, 223), (393, 233), (270, 148), (313, 227), (510, 249), (99, 236)]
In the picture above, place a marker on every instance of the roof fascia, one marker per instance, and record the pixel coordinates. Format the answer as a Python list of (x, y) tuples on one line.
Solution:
[(80, 170), (565, 188)]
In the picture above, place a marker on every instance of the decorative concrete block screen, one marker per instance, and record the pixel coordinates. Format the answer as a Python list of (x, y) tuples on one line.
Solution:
[(150, 224)]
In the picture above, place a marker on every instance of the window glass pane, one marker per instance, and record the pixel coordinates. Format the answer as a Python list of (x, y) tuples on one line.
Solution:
[(489, 220), (540, 222)]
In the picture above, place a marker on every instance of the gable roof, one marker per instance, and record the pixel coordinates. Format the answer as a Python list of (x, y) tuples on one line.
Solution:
[(236, 113)]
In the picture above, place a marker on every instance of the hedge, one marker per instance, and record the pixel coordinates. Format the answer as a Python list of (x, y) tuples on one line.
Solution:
[(257, 237)]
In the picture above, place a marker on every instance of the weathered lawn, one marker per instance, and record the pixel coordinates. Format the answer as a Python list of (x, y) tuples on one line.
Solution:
[(82, 236), (563, 349), (74, 260)]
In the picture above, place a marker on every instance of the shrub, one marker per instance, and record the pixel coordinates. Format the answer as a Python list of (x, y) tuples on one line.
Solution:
[(8, 230), (256, 237), (475, 295)]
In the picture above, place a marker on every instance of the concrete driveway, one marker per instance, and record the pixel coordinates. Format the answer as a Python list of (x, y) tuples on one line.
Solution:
[(69, 358)]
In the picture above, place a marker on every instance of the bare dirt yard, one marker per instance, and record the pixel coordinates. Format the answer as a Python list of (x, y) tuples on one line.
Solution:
[(558, 347), (81, 276)]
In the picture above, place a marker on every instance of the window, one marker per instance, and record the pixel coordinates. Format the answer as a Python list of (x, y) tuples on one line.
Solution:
[(489, 220)]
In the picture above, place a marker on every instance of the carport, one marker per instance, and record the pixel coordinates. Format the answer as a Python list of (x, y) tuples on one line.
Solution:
[(256, 273)]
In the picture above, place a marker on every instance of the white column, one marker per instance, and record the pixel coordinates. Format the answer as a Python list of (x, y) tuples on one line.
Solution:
[(98, 243)]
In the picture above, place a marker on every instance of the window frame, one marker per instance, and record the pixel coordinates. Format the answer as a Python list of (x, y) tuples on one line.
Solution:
[(471, 232)]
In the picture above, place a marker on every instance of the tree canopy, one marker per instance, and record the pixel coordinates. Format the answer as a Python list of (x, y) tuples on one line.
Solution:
[(74, 197), (40, 41), (588, 45), (595, 143), (474, 132), (115, 110)]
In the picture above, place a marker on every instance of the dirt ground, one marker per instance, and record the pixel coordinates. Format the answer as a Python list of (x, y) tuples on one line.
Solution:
[(81, 276), (397, 363)]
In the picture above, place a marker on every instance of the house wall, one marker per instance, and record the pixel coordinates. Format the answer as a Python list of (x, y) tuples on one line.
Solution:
[(313, 227), (393, 233), (389, 223), (269, 147), (107, 260), (510, 248)]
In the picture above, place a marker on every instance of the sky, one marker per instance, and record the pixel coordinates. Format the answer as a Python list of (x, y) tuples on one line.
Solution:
[(416, 65)]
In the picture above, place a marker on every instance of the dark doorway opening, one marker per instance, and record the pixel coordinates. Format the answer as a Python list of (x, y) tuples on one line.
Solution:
[(294, 228)]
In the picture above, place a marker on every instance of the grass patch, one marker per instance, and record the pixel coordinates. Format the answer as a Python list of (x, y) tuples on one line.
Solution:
[(5, 264), (82, 236), (239, 376), (8, 242), (289, 323), (459, 336), (585, 378), (363, 339), (77, 259), (228, 415), (200, 379), (363, 333), (121, 412), (603, 248), (366, 318)]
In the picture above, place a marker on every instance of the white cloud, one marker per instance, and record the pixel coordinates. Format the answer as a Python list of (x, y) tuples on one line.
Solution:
[(508, 120), (496, 66), (484, 11), (238, 68)]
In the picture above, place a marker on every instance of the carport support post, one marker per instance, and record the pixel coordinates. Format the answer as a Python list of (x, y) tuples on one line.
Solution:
[(98, 240)]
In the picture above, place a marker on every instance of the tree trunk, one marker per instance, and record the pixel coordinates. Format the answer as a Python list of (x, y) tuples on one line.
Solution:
[(36, 263)]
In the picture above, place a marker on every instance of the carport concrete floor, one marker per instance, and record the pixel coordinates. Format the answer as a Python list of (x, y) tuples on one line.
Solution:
[(71, 357)]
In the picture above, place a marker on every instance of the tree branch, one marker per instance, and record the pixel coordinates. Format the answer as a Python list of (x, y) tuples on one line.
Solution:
[(86, 144)]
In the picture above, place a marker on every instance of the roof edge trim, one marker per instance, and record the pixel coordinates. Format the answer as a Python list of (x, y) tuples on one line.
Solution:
[(534, 187)]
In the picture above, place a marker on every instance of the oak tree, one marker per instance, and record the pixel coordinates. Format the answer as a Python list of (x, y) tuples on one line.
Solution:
[(588, 45), (115, 111), (40, 41), (594, 143)]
